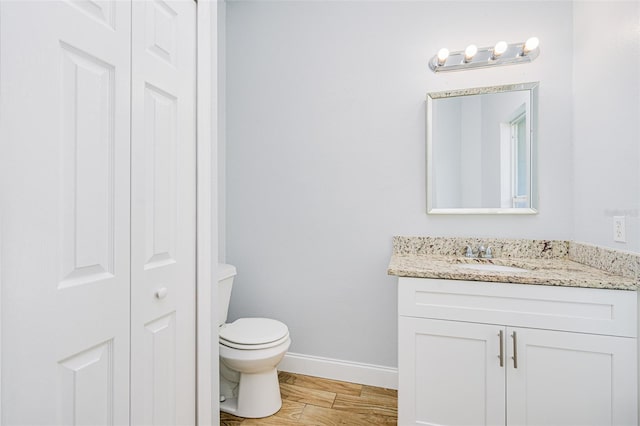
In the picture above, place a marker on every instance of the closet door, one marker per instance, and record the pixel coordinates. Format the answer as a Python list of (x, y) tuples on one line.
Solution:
[(64, 199), (163, 213)]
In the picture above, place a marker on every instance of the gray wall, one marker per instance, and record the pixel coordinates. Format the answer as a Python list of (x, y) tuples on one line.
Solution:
[(606, 121), (326, 153), (472, 165), (221, 178), (496, 109), (446, 178)]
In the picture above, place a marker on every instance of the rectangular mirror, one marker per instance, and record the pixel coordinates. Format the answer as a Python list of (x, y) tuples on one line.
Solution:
[(481, 150)]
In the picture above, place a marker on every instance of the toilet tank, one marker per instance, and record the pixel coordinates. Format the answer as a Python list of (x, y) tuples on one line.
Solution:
[(226, 273)]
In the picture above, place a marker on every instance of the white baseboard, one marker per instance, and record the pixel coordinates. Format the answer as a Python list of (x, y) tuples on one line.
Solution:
[(336, 369)]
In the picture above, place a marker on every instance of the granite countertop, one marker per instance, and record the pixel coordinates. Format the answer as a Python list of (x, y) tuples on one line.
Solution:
[(545, 262)]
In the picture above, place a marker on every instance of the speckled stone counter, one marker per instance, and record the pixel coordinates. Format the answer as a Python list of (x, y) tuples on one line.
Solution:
[(545, 262)]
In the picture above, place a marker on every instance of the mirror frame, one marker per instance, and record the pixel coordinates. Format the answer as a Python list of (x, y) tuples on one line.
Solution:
[(533, 190)]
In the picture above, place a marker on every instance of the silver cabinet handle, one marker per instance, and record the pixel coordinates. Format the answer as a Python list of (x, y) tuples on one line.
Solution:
[(501, 356), (515, 350)]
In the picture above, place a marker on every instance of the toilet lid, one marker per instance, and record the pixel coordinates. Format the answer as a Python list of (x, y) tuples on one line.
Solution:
[(253, 331)]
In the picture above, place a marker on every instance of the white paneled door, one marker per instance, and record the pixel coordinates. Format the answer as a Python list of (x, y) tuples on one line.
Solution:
[(65, 84), (97, 212), (163, 215)]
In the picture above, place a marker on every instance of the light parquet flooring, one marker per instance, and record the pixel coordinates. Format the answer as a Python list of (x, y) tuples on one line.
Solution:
[(315, 401)]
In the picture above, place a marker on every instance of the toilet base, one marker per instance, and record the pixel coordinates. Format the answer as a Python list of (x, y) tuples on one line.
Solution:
[(258, 396)]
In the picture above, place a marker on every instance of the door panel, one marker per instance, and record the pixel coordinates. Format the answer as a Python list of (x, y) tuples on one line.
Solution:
[(64, 176), (550, 386), (100, 10), (86, 388), (160, 393), (160, 177), (86, 163), (450, 373), (163, 213)]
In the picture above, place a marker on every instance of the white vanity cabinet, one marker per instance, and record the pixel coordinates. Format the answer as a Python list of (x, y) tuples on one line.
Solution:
[(479, 353)]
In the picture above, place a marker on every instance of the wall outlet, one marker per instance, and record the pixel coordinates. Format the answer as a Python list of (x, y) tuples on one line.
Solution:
[(619, 233)]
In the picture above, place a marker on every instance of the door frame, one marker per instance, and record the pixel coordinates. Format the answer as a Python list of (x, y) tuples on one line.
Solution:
[(1, 284), (207, 403), (207, 392)]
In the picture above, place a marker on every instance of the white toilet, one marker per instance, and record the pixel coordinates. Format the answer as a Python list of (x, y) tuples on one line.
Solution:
[(250, 351)]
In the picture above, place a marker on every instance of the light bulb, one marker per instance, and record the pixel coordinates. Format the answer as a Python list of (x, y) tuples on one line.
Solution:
[(531, 44), (443, 54), (499, 49), (470, 52)]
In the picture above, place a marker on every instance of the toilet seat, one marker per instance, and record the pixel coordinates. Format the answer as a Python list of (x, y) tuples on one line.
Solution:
[(253, 333)]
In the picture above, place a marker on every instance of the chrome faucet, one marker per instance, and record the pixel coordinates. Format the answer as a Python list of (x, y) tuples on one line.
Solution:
[(483, 253), (469, 252)]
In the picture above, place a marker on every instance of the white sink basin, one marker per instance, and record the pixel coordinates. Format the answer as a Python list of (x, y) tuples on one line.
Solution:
[(491, 267)]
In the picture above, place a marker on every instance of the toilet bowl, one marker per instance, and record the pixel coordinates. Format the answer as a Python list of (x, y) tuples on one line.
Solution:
[(250, 350), (248, 358)]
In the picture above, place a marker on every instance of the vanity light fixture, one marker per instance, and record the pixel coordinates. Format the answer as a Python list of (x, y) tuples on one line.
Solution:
[(499, 49), (470, 52), (443, 54), (530, 45), (502, 53)]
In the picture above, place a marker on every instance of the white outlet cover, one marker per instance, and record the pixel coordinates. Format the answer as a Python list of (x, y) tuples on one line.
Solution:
[(619, 232)]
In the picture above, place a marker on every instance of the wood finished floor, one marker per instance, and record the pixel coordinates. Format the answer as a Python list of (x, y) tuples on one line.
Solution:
[(310, 400)]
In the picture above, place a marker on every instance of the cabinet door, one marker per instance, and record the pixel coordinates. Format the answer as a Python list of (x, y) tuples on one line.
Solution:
[(571, 379), (450, 373)]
